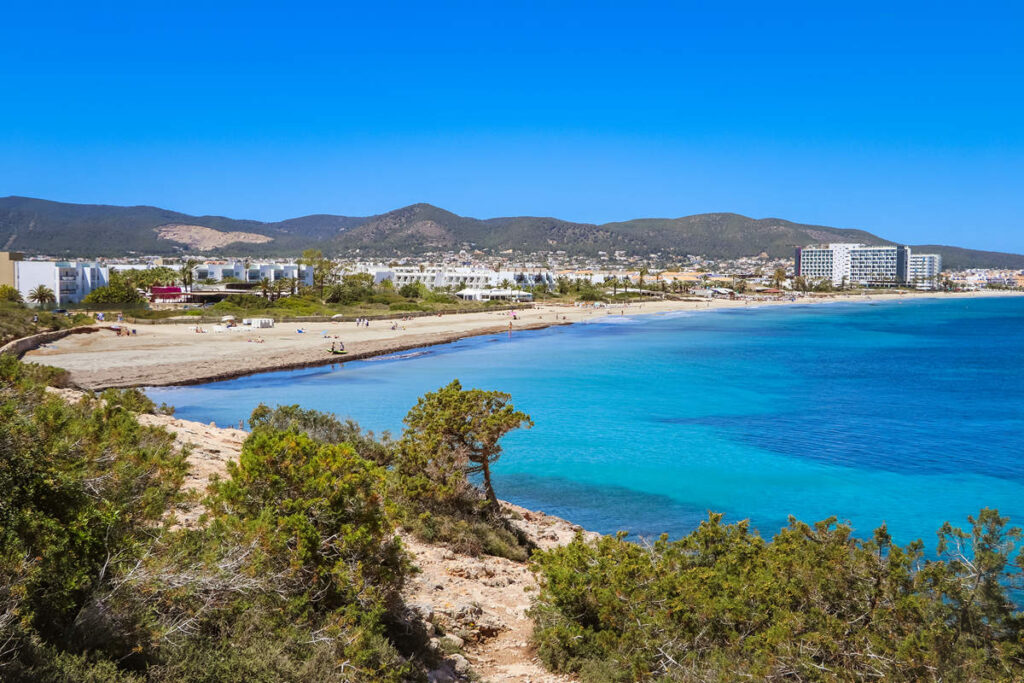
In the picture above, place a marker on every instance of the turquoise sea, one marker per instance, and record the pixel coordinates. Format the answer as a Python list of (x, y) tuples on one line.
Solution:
[(910, 413)]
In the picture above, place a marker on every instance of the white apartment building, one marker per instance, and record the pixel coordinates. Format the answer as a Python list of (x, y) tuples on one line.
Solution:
[(70, 281), (517, 295), (867, 266), (878, 266), (253, 272), (438, 277), (924, 270)]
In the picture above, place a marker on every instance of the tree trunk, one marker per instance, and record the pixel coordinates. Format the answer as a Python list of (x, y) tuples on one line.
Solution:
[(488, 489)]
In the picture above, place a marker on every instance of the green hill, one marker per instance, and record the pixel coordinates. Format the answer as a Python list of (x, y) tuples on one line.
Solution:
[(38, 226)]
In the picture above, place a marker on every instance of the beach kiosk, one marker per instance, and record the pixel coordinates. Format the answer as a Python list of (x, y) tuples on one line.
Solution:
[(258, 323)]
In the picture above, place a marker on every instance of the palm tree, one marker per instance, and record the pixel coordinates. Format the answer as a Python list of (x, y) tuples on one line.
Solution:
[(779, 277), (265, 287), (42, 295), (187, 276)]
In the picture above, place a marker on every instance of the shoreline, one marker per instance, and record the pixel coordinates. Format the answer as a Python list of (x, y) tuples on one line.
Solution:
[(177, 356)]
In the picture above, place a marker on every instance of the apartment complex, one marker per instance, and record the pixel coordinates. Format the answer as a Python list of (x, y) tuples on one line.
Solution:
[(216, 271), (848, 264), (69, 281), (924, 269), (458, 278)]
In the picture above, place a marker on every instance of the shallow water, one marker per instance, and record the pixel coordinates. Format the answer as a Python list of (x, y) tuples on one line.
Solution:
[(910, 413)]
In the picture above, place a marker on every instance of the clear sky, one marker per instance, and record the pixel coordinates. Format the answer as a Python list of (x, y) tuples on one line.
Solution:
[(902, 118)]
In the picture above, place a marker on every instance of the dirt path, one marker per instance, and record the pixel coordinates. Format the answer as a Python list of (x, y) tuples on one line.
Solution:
[(484, 601)]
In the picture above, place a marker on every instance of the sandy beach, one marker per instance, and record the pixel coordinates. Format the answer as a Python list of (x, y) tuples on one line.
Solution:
[(168, 354)]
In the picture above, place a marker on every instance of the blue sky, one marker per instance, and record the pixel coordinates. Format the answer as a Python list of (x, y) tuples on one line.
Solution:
[(905, 119)]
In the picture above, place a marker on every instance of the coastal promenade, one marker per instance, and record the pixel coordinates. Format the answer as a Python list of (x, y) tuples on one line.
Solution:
[(164, 355)]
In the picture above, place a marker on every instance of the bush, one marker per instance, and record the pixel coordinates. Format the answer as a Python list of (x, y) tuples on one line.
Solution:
[(84, 488), (131, 400), (10, 294), (294, 574), (249, 302), (812, 604), (325, 428), (407, 307), (412, 290)]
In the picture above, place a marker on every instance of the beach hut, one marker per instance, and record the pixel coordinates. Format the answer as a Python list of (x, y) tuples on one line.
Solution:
[(260, 323)]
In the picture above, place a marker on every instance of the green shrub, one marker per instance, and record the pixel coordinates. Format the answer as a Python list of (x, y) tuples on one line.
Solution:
[(325, 428), (812, 604), (412, 290), (84, 489), (10, 294), (247, 302), (294, 574), (132, 400)]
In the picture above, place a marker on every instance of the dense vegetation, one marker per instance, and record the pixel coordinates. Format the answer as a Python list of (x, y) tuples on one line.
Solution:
[(293, 573), (722, 604), (295, 570), (89, 230)]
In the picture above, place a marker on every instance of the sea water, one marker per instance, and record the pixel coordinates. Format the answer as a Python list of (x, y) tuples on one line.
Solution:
[(908, 413)]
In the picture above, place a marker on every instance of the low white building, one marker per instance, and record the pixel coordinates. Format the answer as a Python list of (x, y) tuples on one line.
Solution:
[(472, 294), (456, 278), (253, 271)]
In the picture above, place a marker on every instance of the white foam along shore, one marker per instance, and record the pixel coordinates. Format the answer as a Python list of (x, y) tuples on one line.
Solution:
[(171, 354)]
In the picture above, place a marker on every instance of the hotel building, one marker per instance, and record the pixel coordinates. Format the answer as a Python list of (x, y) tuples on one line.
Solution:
[(847, 264)]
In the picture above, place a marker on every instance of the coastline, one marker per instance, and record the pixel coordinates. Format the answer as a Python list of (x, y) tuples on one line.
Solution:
[(174, 355)]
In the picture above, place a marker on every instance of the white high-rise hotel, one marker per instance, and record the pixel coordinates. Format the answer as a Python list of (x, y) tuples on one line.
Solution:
[(847, 264)]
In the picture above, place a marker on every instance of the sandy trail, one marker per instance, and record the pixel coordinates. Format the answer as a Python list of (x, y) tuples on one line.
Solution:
[(168, 354)]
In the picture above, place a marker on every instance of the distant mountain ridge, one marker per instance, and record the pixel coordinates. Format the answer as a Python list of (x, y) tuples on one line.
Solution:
[(89, 230)]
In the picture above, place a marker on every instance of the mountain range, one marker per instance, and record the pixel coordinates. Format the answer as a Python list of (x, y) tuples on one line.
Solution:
[(38, 226)]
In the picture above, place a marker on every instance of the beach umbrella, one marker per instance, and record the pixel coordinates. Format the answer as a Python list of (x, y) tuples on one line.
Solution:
[(226, 318), (337, 315)]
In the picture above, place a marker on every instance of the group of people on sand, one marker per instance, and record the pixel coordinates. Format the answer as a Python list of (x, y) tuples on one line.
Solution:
[(257, 340), (362, 322), (125, 332)]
